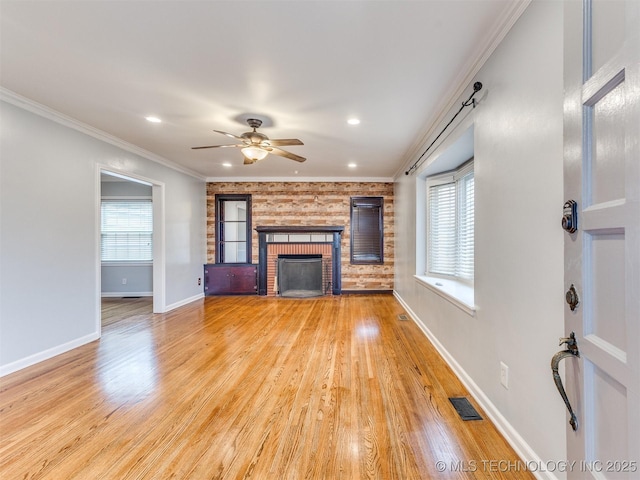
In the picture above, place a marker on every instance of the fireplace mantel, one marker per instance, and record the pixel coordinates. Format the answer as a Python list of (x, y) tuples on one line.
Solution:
[(264, 230), (300, 229)]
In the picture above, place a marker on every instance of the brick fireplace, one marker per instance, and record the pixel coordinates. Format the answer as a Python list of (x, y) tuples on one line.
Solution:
[(291, 241)]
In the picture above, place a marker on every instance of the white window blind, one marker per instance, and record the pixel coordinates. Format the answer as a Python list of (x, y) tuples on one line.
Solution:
[(464, 264), (442, 229), (450, 238), (126, 230)]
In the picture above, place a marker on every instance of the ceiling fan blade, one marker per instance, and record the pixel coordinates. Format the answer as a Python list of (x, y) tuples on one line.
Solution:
[(229, 135), (284, 153), (216, 146), (282, 142)]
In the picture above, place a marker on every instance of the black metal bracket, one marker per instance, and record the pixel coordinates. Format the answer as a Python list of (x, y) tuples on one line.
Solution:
[(470, 101)]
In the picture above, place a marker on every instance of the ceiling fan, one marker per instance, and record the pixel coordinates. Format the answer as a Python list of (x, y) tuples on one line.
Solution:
[(255, 146)]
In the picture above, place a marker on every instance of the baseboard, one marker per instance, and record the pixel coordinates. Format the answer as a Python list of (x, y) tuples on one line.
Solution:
[(65, 347), (366, 292), (521, 447), (126, 294), (47, 354), (181, 303)]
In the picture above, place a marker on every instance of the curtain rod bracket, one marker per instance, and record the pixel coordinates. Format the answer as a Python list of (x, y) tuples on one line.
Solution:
[(470, 101)]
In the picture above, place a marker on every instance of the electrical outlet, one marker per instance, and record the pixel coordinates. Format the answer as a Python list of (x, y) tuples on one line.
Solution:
[(504, 375), (199, 281), (124, 281)]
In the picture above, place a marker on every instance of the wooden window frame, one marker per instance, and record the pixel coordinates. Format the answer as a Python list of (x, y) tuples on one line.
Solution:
[(376, 238), (219, 199)]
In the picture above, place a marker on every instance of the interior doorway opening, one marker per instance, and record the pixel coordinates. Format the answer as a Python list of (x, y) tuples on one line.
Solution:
[(130, 246)]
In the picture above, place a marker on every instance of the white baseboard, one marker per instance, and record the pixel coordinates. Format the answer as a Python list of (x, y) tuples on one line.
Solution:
[(521, 447), (181, 303), (65, 347), (46, 354), (126, 294)]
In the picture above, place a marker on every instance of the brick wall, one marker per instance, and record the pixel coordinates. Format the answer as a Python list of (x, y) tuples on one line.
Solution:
[(313, 203)]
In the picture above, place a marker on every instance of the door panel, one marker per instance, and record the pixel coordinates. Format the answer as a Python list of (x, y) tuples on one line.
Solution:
[(607, 30), (609, 439), (602, 259), (604, 299), (606, 172)]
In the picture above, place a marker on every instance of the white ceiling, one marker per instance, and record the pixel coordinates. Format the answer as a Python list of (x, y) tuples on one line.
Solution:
[(303, 66)]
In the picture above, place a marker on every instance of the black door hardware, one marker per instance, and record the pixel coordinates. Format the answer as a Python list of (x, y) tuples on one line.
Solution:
[(571, 351)]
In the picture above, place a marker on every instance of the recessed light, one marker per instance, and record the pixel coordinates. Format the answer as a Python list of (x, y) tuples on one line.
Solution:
[(153, 119), (352, 165), (226, 164), (353, 121)]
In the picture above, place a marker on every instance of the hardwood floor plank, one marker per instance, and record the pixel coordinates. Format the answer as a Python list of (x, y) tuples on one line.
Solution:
[(246, 388)]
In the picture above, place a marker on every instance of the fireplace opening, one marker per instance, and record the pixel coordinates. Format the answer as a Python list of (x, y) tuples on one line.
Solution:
[(300, 275)]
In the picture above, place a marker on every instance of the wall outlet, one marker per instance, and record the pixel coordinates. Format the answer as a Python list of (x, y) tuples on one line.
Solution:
[(199, 281), (124, 281), (504, 375)]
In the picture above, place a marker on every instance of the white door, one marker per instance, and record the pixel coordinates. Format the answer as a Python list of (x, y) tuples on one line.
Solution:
[(602, 258)]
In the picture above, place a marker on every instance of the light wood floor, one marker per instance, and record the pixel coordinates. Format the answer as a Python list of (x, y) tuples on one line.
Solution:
[(248, 387), (132, 309)]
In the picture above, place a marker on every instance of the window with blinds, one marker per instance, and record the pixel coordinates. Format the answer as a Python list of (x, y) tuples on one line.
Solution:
[(367, 230), (450, 230), (126, 230)]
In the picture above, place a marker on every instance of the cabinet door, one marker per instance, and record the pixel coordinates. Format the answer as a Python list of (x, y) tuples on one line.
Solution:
[(244, 280), (230, 279), (217, 280)]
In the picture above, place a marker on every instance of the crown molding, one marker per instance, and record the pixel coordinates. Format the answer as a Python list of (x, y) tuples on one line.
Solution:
[(29, 105), (300, 179), (502, 26)]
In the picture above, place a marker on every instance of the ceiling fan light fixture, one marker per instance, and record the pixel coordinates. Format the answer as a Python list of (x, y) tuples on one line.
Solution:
[(254, 153), (255, 145)]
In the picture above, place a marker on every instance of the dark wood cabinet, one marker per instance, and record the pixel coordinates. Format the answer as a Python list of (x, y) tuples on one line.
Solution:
[(230, 279)]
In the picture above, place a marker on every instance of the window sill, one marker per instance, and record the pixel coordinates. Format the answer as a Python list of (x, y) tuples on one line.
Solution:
[(123, 263), (459, 294)]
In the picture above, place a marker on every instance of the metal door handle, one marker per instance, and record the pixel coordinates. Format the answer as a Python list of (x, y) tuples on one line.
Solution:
[(571, 351), (572, 298)]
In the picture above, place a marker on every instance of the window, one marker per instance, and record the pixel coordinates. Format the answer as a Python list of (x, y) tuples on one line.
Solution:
[(450, 224), (126, 230), (366, 230), (233, 228)]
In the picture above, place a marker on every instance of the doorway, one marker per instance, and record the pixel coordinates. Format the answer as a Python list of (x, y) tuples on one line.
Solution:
[(130, 243)]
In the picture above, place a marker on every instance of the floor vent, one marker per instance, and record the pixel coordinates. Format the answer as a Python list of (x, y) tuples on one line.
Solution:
[(402, 316), (465, 409)]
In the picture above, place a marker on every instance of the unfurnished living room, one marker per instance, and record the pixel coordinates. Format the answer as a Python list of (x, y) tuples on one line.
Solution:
[(343, 239)]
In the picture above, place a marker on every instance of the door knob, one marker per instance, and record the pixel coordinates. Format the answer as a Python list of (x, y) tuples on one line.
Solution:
[(572, 298)]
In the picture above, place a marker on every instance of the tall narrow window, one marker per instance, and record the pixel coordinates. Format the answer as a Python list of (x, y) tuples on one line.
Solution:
[(233, 228), (367, 230), (450, 236), (126, 230)]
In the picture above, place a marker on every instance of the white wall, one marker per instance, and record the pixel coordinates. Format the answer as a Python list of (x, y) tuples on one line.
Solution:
[(519, 243), (49, 298), (138, 278)]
